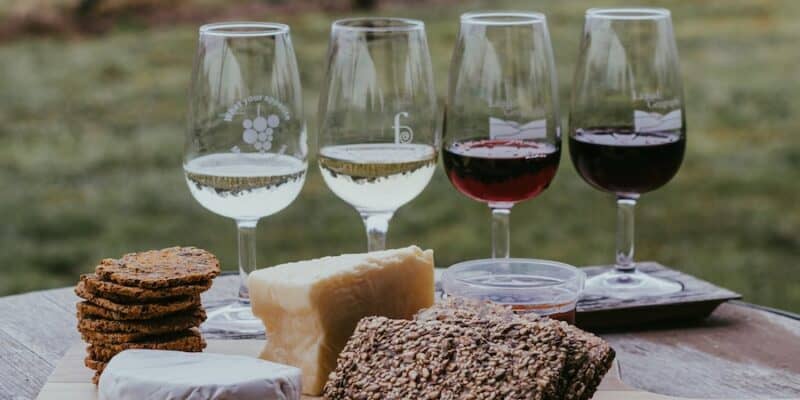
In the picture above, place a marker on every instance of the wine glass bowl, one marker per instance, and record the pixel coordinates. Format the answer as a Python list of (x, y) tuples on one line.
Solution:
[(378, 136), (245, 155), (627, 127), (502, 136), (229, 184), (501, 172), (626, 162)]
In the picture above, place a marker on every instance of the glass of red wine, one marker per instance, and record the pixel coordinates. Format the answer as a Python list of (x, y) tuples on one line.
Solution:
[(502, 133), (627, 129)]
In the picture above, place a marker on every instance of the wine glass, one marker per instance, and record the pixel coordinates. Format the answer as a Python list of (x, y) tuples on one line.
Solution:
[(502, 135), (627, 128), (245, 152), (378, 120)]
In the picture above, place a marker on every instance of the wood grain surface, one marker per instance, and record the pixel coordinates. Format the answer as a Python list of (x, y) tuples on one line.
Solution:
[(738, 353)]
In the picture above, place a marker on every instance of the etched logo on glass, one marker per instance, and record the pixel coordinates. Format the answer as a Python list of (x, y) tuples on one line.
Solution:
[(263, 117), (258, 131), (402, 133)]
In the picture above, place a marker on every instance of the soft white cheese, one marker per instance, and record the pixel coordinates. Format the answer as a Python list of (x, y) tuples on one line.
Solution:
[(176, 375), (310, 308)]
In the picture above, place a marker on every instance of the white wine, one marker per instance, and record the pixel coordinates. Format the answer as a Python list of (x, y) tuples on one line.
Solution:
[(377, 177), (245, 186)]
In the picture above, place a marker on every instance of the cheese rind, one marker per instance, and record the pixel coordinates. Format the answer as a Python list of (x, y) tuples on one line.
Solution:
[(162, 374), (310, 308)]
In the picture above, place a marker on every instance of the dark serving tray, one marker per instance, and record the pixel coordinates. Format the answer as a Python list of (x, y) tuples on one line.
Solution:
[(697, 300)]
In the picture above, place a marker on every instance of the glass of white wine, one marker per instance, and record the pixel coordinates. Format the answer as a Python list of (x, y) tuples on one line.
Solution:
[(245, 152), (378, 118)]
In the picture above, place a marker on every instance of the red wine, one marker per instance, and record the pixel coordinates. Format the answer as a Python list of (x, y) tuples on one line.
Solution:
[(620, 160), (501, 171)]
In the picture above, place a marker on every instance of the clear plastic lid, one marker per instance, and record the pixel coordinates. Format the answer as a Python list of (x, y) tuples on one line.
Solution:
[(545, 287)]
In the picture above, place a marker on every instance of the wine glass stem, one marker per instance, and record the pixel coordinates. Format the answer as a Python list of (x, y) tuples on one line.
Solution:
[(247, 255), (625, 230), (501, 232), (377, 225)]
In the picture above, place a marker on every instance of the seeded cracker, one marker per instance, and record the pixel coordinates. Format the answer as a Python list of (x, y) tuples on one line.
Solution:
[(542, 337), (403, 359), (127, 294), (86, 309), (167, 324), (98, 366), (158, 269), (142, 310), (114, 338), (590, 359), (588, 356), (190, 341)]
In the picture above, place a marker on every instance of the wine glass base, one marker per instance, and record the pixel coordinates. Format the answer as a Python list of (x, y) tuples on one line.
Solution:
[(629, 285), (232, 320)]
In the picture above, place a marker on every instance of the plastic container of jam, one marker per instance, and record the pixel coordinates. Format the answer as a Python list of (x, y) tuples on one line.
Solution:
[(527, 285)]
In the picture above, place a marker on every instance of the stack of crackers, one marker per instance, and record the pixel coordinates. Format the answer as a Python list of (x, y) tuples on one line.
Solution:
[(148, 300)]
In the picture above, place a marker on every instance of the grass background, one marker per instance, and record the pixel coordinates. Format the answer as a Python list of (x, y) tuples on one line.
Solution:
[(91, 133)]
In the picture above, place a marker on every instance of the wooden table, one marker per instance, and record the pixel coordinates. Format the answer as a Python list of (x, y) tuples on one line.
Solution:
[(741, 351)]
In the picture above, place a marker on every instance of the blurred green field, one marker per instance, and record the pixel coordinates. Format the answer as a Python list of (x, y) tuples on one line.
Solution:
[(91, 133)]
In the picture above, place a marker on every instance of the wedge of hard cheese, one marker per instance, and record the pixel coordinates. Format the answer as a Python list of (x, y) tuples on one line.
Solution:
[(310, 308)]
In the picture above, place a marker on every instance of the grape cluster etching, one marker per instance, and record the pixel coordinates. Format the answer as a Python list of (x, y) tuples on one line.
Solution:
[(259, 130)]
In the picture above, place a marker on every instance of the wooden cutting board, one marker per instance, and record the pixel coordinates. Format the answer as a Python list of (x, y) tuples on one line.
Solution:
[(72, 380)]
